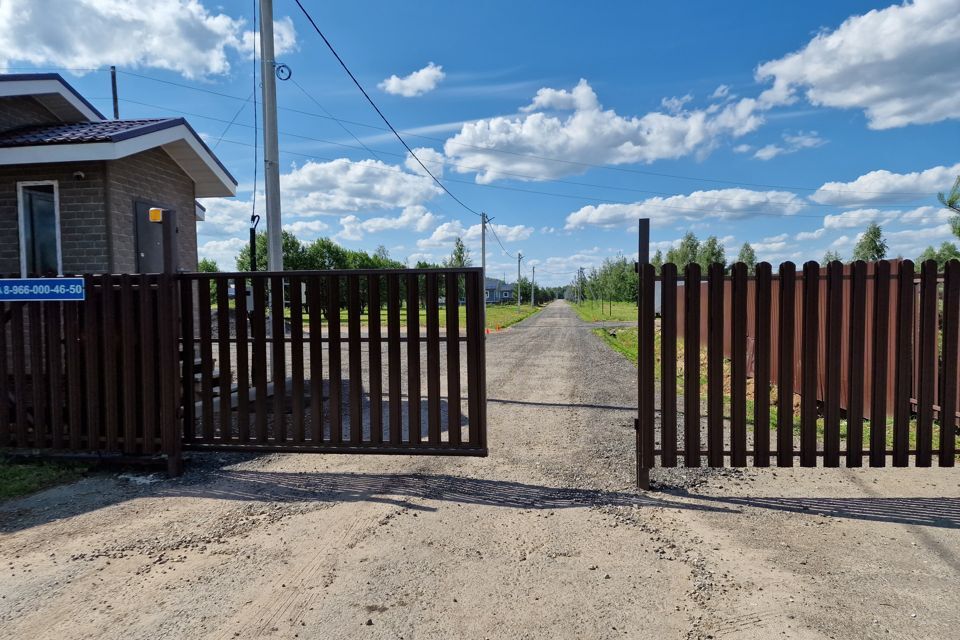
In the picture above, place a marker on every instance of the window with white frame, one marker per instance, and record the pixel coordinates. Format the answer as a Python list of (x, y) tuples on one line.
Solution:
[(486, 294), (39, 218), (507, 294)]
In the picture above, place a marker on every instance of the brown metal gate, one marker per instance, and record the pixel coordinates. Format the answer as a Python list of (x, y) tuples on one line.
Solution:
[(832, 338), (366, 361)]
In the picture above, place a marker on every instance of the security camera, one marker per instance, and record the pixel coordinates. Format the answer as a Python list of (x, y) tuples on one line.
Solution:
[(79, 175)]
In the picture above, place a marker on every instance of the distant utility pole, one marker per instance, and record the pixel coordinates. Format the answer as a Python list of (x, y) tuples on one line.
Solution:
[(519, 258), (271, 147), (533, 287), (113, 87)]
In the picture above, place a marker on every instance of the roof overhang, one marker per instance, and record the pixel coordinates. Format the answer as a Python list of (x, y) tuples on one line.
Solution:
[(53, 92), (177, 139)]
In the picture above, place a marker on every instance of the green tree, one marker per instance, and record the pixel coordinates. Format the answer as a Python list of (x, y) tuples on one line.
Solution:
[(748, 257), (831, 256), (206, 265), (951, 200), (460, 256), (871, 245), (947, 252), (711, 251), (685, 252), (657, 261), (294, 253)]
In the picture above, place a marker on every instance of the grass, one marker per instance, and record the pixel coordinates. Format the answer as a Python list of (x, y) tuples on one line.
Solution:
[(22, 478), (624, 341), (498, 316), (593, 311)]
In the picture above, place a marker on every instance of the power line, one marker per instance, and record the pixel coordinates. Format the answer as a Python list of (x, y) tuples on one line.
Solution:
[(342, 125), (541, 157), (234, 119), (377, 109)]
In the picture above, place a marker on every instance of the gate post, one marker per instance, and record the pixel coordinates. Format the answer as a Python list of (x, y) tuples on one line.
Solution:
[(645, 361), (170, 373)]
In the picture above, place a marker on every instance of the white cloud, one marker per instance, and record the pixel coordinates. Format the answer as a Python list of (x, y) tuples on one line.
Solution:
[(342, 185), (445, 235), (742, 148), (224, 252), (792, 144), (178, 35), (416, 218), (722, 204), (927, 216), (284, 38), (306, 229), (811, 235), (589, 134), (886, 186), (910, 243), (431, 158), (416, 84), (858, 218), (898, 64), (720, 92), (675, 105)]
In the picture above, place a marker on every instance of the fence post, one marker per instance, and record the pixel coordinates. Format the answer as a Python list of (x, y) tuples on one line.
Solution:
[(644, 423), (170, 378)]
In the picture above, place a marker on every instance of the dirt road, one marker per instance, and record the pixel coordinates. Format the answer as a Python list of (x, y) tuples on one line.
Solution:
[(543, 539)]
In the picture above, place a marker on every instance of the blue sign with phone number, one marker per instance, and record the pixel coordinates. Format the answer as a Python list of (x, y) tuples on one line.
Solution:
[(41, 289)]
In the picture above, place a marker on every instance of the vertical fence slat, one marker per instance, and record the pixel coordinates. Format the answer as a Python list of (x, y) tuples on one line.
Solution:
[(433, 359), (278, 336), (951, 362), (18, 344), (333, 333), (74, 381), (856, 367), (108, 346), (394, 383), (55, 372), (187, 355), (354, 363), (928, 361), (903, 363), (243, 359), (91, 356), (5, 431), (475, 380), (832, 369), (809, 356), (128, 378), (646, 361), (35, 316), (223, 355), (738, 365), (668, 365), (171, 440), (315, 305), (785, 356), (761, 365), (878, 392), (259, 330), (296, 358), (413, 358), (691, 365), (206, 359), (148, 364), (715, 329), (375, 357), (452, 294)]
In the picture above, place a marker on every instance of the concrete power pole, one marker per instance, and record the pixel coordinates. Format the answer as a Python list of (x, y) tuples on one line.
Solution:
[(519, 258), (533, 287), (271, 148)]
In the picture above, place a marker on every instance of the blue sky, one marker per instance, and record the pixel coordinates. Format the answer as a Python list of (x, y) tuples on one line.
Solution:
[(788, 125)]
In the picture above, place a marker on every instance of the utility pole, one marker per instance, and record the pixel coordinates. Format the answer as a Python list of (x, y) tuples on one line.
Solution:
[(519, 258), (113, 87), (533, 288), (271, 148)]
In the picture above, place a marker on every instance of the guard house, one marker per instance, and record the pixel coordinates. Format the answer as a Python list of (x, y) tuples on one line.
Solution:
[(76, 188)]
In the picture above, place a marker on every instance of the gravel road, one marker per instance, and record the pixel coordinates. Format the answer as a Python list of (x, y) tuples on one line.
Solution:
[(543, 539)]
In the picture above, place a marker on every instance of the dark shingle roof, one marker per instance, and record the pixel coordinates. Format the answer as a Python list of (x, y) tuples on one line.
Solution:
[(83, 132)]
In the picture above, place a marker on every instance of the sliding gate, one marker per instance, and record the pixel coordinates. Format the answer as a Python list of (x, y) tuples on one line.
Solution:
[(364, 361)]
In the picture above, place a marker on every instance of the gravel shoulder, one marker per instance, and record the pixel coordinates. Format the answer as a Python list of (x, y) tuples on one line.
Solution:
[(546, 538)]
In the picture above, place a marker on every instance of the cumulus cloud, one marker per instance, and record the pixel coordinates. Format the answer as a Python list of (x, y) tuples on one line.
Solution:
[(431, 158), (306, 229), (791, 144), (573, 126), (416, 218), (342, 185), (223, 252), (416, 84), (445, 234), (886, 186), (720, 204), (896, 64), (858, 218), (178, 35)]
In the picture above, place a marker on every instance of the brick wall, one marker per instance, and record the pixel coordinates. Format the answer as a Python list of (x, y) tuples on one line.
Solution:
[(151, 176), (83, 234), (20, 111)]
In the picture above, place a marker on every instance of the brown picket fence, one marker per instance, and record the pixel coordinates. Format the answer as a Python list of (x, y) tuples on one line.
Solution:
[(834, 337)]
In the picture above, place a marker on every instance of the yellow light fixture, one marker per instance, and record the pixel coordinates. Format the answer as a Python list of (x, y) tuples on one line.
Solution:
[(156, 214)]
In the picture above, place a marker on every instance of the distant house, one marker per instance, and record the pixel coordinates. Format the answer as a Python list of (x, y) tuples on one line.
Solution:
[(76, 187), (496, 290)]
